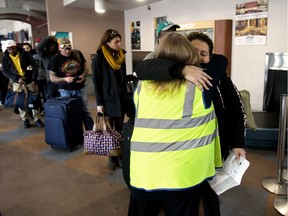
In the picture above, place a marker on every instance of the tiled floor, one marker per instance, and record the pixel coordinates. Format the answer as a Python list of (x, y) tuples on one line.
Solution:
[(36, 180)]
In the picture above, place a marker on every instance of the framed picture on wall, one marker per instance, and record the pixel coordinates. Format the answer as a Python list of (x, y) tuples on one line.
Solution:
[(206, 27), (251, 23), (135, 35), (158, 20)]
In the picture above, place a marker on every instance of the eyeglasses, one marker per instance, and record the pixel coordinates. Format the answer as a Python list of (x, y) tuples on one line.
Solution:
[(65, 46)]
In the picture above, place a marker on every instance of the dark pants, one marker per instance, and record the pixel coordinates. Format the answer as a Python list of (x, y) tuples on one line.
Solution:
[(42, 86), (117, 124), (210, 201), (52, 90), (188, 206), (4, 82)]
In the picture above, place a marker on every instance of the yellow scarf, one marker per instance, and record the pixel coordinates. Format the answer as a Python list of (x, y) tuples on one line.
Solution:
[(115, 63)]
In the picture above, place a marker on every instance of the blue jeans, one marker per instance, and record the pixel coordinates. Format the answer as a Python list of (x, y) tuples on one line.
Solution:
[(86, 115)]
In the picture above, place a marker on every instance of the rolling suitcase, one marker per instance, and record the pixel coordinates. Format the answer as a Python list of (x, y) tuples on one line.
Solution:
[(63, 122)]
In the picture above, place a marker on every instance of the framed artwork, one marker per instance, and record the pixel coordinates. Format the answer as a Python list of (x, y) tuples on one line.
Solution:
[(135, 31), (251, 23), (206, 27), (158, 20)]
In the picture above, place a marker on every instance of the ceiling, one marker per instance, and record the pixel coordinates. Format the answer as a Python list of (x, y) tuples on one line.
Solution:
[(34, 11), (115, 5)]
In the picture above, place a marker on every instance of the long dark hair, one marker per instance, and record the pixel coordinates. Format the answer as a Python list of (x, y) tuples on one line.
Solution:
[(108, 35)]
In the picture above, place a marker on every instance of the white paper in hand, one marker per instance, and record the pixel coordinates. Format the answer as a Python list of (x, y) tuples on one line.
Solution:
[(230, 175)]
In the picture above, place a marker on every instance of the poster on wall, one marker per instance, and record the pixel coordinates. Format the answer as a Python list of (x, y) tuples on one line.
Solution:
[(251, 23), (158, 20), (60, 35), (135, 35), (205, 27)]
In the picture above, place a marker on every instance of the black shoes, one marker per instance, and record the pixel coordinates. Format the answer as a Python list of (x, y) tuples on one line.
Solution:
[(111, 163), (114, 162), (39, 123), (26, 123)]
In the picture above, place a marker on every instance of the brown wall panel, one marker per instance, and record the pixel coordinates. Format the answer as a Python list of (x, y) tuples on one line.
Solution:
[(223, 40)]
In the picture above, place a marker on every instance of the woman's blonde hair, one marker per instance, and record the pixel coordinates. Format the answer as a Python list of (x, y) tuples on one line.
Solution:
[(176, 47)]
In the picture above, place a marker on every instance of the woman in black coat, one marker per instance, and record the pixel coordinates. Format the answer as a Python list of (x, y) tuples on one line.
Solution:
[(109, 77)]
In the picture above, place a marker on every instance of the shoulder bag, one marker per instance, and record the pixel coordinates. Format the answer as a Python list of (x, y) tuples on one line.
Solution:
[(102, 140)]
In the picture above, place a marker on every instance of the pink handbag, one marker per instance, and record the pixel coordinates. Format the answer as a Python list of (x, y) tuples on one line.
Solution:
[(102, 140)]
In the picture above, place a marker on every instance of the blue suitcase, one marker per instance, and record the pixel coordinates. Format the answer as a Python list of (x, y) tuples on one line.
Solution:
[(63, 122)]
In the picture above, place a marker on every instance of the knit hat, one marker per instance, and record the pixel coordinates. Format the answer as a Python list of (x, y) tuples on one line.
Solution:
[(164, 26)]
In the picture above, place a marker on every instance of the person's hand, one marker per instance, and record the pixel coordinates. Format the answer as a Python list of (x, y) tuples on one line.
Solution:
[(69, 79), (100, 109), (197, 76), (239, 152), (22, 81), (79, 79)]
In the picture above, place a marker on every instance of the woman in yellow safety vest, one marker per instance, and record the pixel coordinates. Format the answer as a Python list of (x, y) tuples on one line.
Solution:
[(175, 143)]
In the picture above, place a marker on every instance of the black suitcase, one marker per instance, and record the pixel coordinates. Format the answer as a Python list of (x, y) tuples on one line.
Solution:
[(63, 122), (127, 134)]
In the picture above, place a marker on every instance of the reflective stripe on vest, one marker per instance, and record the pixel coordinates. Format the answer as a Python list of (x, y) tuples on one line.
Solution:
[(174, 140)]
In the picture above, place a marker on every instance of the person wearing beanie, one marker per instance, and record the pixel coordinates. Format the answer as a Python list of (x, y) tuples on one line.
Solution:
[(20, 67), (46, 49)]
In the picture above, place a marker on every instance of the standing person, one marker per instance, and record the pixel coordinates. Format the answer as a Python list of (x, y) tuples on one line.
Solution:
[(41, 78), (224, 94), (47, 48), (68, 70), (109, 77), (228, 107), (20, 67), (170, 160), (28, 48), (4, 82)]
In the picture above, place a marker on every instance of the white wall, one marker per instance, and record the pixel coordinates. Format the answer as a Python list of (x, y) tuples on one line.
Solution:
[(248, 62)]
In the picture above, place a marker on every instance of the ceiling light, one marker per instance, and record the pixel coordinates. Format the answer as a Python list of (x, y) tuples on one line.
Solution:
[(99, 6)]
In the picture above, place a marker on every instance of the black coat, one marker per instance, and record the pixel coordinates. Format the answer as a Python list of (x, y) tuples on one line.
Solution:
[(109, 85), (225, 96), (227, 103), (28, 65)]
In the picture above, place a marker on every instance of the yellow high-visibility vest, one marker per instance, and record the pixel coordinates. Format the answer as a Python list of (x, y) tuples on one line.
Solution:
[(175, 142)]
